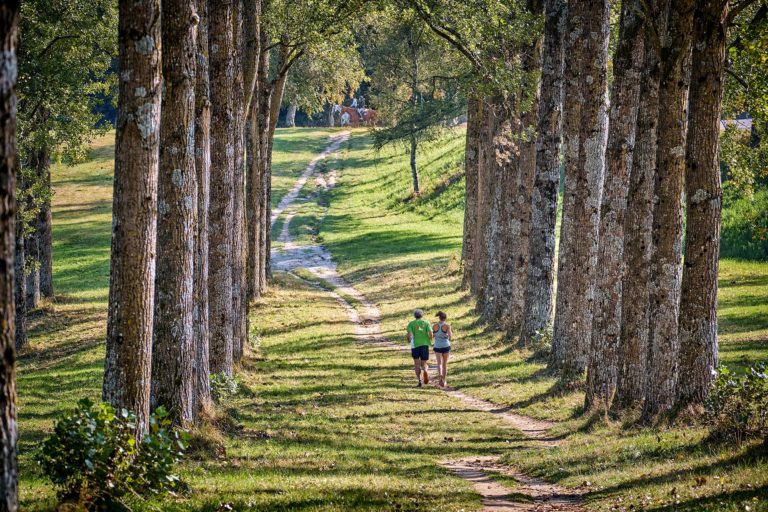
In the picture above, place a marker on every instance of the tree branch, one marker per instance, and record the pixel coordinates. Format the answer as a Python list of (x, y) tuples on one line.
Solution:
[(53, 42)]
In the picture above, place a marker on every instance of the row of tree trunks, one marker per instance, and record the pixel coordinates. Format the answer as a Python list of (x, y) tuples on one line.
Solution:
[(602, 373), (131, 292), (173, 348), (585, 129), (485, 190), (541, 249), (9, 22)]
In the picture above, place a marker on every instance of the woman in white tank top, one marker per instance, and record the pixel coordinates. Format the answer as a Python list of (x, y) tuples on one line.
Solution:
[(443, 336)]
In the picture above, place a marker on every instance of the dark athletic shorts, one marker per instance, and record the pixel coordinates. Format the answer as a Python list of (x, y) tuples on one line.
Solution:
[(442, 350), (421, 352)]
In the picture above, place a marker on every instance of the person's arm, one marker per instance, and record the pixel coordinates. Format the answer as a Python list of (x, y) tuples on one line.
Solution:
[(450, 333), (409, 334), (429, 332)]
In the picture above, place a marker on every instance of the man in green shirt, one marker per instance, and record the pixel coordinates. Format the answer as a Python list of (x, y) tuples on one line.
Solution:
[(420, 335)]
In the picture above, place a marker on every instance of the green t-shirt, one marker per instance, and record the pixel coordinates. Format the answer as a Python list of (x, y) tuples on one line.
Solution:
[(420, 330)]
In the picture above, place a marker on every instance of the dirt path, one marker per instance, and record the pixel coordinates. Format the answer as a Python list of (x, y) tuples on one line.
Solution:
[(530, 494)]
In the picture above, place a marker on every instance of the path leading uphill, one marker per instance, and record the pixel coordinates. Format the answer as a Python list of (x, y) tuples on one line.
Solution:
[(531, 494)]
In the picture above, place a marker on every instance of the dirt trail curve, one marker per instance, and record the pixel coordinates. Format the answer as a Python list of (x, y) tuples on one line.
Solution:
[(531, 494)]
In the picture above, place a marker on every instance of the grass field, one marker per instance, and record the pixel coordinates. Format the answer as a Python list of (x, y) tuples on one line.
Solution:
[(324, 423)]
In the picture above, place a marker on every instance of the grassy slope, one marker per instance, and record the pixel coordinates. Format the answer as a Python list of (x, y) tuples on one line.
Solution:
[(403, 255)]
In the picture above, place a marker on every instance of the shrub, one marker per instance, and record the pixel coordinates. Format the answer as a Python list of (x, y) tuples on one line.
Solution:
[(223, 385), (93, 457), (738, 404), (745, 228)]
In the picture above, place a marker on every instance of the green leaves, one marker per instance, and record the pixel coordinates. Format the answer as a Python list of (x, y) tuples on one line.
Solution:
[(738, 404), (94, 459)]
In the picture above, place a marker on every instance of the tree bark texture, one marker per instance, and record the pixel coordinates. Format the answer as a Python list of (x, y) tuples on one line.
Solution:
[(698, 299), (252, 59), (667, 212), (173, 350), (471, 153), (9, 22), (239, 298), (520, 209), (585, 129), (485, 185), (128, 361), (502, 232), (602, 371), (541, 250), (638, 222), (263, 122), (203, 171), (221, 216)]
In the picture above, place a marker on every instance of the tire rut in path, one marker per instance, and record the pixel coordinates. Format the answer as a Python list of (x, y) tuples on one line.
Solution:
[(531, 494)]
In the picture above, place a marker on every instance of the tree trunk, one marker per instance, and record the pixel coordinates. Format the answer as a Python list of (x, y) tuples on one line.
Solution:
[(277, 86), (541, 249), (471, 153), (602, 371), (221, 219), (290, 115), (667, 212), (331, 120), (203, 171), (44, 226), (485, 189), (239, 299), (638, 222), (174, 344), (520, 207), (9, 22), (585, 130), (33, 274), (252, 30), (698, 299), (504, 162), (127, 367), (414, 169), (263, 122), (20, 281)]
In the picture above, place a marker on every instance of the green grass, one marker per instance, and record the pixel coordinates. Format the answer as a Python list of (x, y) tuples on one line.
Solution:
[(324, 423)]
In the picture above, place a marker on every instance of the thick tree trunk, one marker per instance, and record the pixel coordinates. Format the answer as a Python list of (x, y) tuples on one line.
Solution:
[(602, 371), (638, 222), (485, 190), (221, 219), (520, 207), (127, 367), (239, 299), (44, 226), (251, 62), (9, 22), (501, 232), (173, 350), (471, 154), (290, 115), (585, 130), (667, 212), (33, 274), (541, 250), (698, 299), (203, 171)]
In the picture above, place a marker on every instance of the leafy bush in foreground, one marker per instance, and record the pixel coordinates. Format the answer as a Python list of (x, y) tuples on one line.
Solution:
[(94, 459), (738, 404)]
